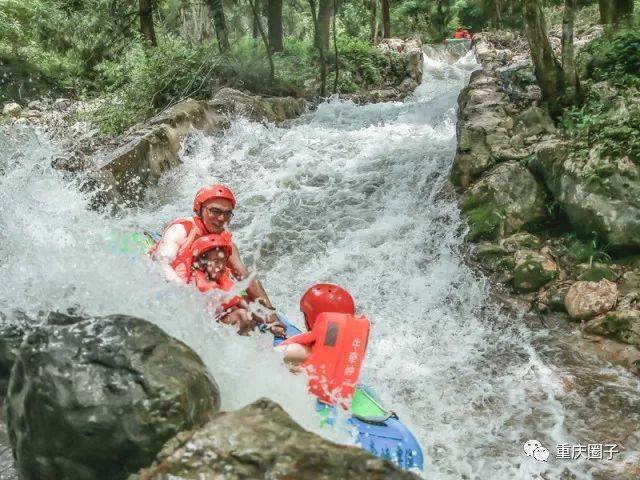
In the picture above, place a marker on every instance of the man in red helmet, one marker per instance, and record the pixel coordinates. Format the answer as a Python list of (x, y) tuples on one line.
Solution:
[(332, 350), (213, 207)]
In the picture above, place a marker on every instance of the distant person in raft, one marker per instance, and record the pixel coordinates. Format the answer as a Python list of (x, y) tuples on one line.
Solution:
[(461, 33), (332, 350), (213, 207)]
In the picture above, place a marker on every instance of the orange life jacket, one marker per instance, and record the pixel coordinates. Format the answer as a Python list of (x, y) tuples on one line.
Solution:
[(333, 367), (459, 34), (224, 283), (184, 258)]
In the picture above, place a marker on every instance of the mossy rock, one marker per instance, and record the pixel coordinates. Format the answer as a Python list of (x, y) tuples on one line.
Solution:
[(556, 296), (493, 257), (623, 325), (521, 240), (533, 270), (484, 220), (597, 272)]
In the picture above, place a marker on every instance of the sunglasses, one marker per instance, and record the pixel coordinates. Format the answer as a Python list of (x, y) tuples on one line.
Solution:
[(216, 212)]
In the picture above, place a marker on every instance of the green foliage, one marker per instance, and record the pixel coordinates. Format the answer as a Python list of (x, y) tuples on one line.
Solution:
[(616, 57), (586, 249)]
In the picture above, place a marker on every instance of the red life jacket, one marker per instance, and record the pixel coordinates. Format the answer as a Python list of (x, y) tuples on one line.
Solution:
[(336, 356), (225, 284), (184, 258), (459, 34)]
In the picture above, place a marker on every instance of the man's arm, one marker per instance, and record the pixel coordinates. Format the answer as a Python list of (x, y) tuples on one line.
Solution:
[(255, 289), (171, 241)]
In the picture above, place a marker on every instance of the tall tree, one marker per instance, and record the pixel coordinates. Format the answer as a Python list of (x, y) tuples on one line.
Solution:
[(325, 7), (373, 21), (320, 46), (568, 54), (613, 11), (220, 24), (386, 19), (146, 21), (547, 68), (274, 20)]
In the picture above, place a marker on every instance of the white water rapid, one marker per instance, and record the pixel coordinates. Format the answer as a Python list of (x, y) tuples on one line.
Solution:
[(350, 194)]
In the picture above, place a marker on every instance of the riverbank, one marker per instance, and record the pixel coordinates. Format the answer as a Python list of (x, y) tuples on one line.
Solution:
[(557, 236)]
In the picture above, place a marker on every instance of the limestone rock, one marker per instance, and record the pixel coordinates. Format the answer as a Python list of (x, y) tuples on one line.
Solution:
[(12, 109), (261, 441), (520, 240), (597, 194), (97, 399), (483, 129), (587, 299), (502, 201), (532, 270), (255, 107), (630, 283), (622, 325), (534, 121)]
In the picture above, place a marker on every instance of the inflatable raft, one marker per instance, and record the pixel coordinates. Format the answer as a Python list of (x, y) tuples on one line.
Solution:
[(379, 430)]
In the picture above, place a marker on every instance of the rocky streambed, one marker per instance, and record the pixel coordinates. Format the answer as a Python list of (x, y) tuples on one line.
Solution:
[(527, 192)]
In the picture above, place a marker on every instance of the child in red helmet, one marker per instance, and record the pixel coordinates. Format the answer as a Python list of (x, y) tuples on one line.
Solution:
[(332, 350)]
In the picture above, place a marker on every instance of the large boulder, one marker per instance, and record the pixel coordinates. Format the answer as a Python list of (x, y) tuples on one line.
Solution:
[(262, 441), (596, 193), (97, 399), (502, 201), (622, 325), (585, 300), (483, 130)]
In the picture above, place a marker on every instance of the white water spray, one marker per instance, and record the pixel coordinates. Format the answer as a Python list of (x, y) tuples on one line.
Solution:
[(348, 194)]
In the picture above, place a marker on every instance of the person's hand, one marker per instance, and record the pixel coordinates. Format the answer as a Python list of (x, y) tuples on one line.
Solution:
[(278, 330)]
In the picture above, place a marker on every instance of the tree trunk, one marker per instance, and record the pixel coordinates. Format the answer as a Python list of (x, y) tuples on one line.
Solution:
[(146, 21), (373, 22), (547, 69), (220, 24), (324, 23), (319, 46), (265, 40), (386, 21), (274, 19), (613, 11), (498, 7), (335, 49), (568, 55)]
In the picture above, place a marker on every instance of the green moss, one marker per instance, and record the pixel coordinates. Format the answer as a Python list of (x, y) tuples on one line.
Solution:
[(531, 275), (484, 219), (597, 273), (618, 325)]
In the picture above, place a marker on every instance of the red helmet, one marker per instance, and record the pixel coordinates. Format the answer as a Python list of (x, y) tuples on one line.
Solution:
[(213, 191), (209, 242), (325, 297)]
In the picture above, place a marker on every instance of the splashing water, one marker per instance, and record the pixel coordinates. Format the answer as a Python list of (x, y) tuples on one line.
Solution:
[(354, 195)]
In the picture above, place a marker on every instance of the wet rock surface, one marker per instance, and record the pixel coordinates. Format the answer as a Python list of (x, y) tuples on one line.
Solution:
[(114, 388), (262, 441), (587, 299), (517, 173)]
